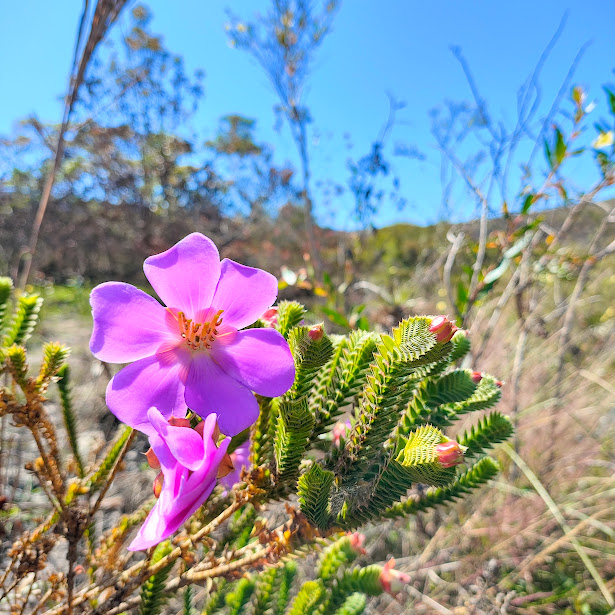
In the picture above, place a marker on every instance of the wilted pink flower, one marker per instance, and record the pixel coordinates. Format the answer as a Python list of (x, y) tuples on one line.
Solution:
[(270, 317), (240, 459), (450, 453), (339, 431), (357, 540), (191, 353), (476, 377), (190, 463), (443, 328), (391, 580)]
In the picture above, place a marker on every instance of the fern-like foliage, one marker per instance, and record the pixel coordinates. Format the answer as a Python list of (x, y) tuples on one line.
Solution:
[(461, 346), (340, 553), (295, 424), (98, 477), (17, 365), (241, 527), (307, 600), (314, 489), (482, 471), (353, 605), (24, 319), (261, 433), (490, 430), (310, 355), (345, 377), (6, 288), (286, 577), (237, 599), (216, 600), (290, 315), (410, 347), (153, 596), (264, 591), (68, 413), (187, 600), (54, 357)]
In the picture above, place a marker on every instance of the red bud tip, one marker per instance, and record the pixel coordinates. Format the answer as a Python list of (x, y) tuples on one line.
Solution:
[(316, 332), (270, 317), (357, 541), (158, 484), (499, 384), (443, 329), (476, 377), (392, 581), (449, 454), (177, 422), (152, 460)]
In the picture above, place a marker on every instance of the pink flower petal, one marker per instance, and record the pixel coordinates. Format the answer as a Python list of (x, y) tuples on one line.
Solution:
[(244, 293), (186, 275), (185, 444), (260, 359), (210, 390), (128, 324), (154, 381)]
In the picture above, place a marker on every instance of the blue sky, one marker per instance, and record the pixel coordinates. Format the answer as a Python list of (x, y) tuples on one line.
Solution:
[(397, 46)]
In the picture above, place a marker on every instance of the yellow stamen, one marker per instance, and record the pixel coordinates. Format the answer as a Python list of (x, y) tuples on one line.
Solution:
[(199, 336)]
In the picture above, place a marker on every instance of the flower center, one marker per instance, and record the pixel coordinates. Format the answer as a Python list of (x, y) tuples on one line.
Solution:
[(199, 336)]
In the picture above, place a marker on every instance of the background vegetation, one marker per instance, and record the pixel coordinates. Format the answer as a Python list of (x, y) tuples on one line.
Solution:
[(532, 279)]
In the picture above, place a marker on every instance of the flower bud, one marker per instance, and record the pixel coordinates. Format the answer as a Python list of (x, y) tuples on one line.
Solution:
[(339, 431), (158, 484), (179, 422), (270, 317), (443, 329), (152, 460), (499, 384), (357, 541), (316, 332), (450, 453), (392, 581), (476, 377)]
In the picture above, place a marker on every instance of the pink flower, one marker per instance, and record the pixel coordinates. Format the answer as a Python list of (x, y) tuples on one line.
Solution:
[(339, 431), (240, 458), (450, 453), (476, 377), (190, 462), (357, 540), (443, 329), (191, 353), (270, 317), (392, 581)]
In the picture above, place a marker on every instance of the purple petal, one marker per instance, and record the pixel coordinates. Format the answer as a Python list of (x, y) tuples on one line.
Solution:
[(186, 275), (210, 390), (260, 359), (185, 444), (154, 381), (128, 324), (151, 532), (244, 293)]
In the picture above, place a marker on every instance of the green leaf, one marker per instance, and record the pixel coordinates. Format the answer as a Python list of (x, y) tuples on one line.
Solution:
[(24, 320), (482, 471), (153, 595), (611, 99), (6, 288), (490, 430), (237, 599), (290, 314), (307, 600), (353, 605), (314, 488), (98, 478), (560, 146), (68, 413), (527, 203)]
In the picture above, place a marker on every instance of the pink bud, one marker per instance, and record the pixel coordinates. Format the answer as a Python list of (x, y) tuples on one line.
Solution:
[(316, 332), (449, 454), (443, 329), (357, 541), (270, 317), (391, 580), (499, 384), (476, 377), (158, 484), (152, 460)]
